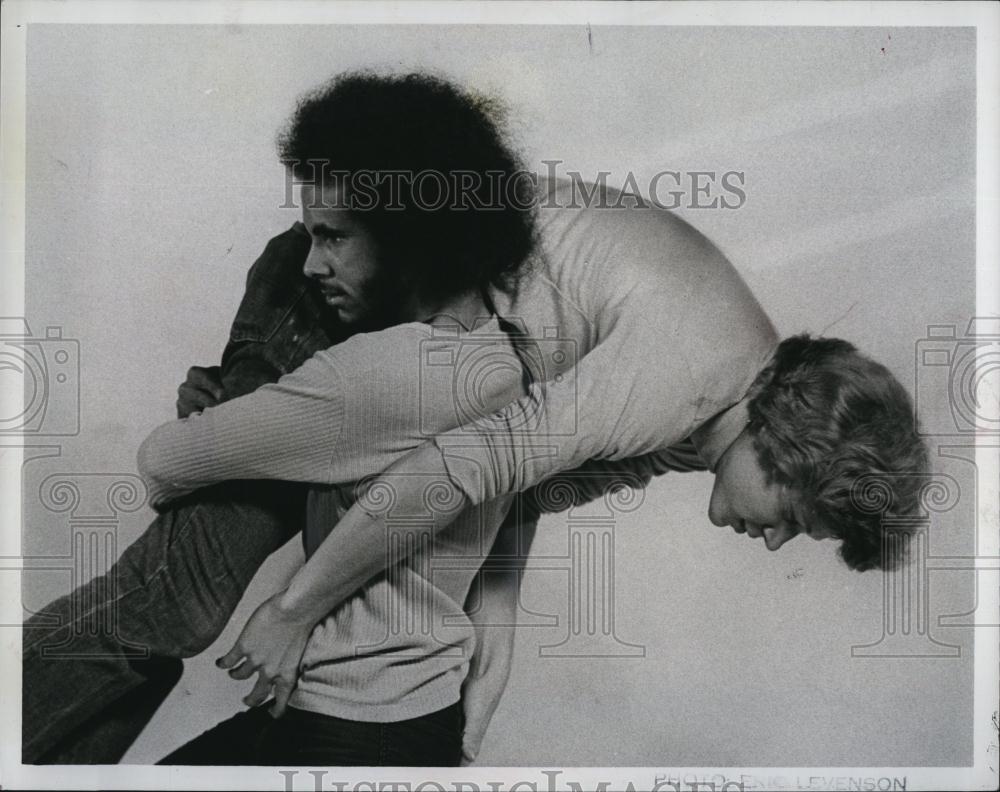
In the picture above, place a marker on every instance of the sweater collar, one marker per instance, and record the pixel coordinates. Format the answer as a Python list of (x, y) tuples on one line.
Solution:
[(467, 310)]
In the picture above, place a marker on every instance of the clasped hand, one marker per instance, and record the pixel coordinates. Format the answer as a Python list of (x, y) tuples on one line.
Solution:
[(271, 645)]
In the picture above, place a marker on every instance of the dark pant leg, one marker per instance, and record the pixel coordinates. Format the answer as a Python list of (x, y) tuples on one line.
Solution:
[(97, 663), (309, 739), (105, 738), (253, 737), (237, 741), (433, 740)]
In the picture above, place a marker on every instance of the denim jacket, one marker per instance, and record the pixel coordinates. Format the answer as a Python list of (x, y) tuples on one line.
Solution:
[(282, 320)]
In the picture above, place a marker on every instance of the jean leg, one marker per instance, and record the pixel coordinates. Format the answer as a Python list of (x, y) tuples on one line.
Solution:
[(105, 739), (240, 740), (169, 596), (309, 739), (433, 740)]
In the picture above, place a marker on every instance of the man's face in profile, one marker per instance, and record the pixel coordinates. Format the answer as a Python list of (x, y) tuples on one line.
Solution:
[(743, 498), (344, 260)]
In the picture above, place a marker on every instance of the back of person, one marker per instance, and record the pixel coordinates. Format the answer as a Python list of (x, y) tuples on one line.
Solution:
[(618, 285), (400, 647)]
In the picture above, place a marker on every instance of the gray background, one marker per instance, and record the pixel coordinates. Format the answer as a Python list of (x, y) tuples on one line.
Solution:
[(153, 184)]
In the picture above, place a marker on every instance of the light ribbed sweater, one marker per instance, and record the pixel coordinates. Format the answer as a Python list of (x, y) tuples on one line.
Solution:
[(400, 647)]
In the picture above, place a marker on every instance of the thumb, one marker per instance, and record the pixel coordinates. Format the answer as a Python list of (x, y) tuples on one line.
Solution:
[(230, 658)]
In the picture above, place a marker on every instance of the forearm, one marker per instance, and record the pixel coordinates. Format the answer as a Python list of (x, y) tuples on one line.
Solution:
[(175, 464), (494, 620), (359, 547), (287, 430), (492, 609)]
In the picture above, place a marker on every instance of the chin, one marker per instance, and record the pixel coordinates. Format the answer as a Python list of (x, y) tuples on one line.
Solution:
[(346, 316)]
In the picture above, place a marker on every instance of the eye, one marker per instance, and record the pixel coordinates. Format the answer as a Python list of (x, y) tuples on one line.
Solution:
[(324, 234)]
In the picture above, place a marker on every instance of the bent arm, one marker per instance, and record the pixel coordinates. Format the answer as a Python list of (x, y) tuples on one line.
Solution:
[(283, 430), (492, 609), (473, 465), (633, 395), (357, 550), (348, 412)]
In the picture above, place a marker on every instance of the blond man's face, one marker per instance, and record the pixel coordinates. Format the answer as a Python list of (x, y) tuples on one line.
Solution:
[(743, 499)]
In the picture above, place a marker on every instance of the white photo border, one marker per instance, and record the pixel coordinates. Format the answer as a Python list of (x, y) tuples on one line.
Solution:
[(17, 15)]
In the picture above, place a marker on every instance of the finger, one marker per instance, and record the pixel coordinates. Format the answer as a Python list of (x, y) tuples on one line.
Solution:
[(282, 691), (231, 658), (244, 671), (259, 692), (206, 379), (193, 394), (186, 406)]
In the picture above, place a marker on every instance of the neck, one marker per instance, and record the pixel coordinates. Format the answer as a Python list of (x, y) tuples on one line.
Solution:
[(716, 436), (463, 308)]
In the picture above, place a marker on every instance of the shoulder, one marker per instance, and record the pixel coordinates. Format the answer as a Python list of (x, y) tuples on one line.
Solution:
[(431, 376), (282, 259), (576, 212), (295, 238), (606, 244), (388, 348), (404, 348)]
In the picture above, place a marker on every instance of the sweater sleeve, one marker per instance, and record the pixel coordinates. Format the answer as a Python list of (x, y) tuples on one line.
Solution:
[(282, 430), (631, 395), (598, 478), (346, 413)]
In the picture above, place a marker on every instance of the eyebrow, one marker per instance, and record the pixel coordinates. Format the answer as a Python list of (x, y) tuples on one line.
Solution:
[(324, 230)]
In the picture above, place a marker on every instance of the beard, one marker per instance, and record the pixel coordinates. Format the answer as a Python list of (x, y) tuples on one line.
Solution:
[(383, 302)]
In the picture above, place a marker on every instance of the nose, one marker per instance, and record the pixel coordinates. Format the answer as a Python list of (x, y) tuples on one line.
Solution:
[(717, 507), (775, 537), (315, 266)]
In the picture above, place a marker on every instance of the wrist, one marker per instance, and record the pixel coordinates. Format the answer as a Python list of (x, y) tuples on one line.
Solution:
[(294, 608), (486, 665)]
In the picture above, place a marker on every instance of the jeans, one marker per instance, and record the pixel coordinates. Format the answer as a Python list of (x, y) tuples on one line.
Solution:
[(305, 739), (98, 662)]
